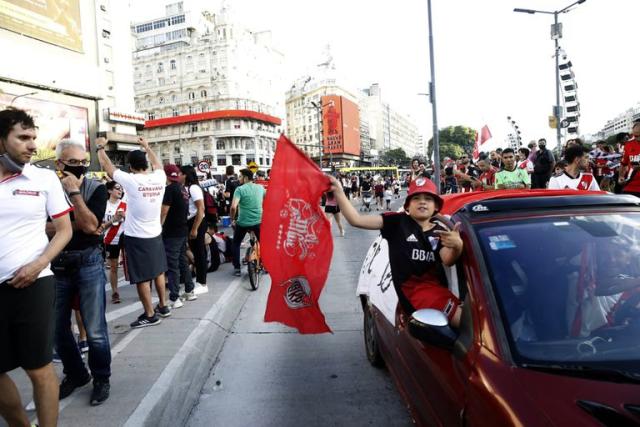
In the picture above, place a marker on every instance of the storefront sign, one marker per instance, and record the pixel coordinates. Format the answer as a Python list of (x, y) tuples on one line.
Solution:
[(122, 117)]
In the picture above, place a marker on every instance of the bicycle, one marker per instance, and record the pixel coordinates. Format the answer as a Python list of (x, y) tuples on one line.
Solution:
[(254, 262)]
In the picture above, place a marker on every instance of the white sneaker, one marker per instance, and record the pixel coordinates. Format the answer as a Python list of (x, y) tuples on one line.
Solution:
[(189, 296), (176, 304), (200, 289)]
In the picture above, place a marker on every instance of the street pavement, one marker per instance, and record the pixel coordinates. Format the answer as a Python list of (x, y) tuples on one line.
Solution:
[(215, 362), (269, 375)]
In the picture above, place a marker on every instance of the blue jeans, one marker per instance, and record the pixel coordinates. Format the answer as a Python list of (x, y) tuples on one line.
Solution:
[(238, 235), (177, 264), (88, 280)]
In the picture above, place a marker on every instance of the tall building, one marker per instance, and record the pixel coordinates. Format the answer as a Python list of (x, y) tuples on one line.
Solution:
[(389, 129), (61, 64), (306, 111), (210, 88), (621, 123)]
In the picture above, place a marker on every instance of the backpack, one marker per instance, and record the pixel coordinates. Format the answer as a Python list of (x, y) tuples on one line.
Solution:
[(210, 205)]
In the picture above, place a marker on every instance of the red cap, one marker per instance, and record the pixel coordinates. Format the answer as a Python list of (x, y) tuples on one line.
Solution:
[(423, 185), (172, 172)]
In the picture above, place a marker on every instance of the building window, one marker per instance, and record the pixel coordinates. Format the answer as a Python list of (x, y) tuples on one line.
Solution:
[(160, 67), (222, 161), (151, 116), (177, 19), (175, 112), (172, 64), (194, 127), (106, 34), (192, 95), (203, 94), (261, 161), (174, 98), (268, 161), (236, 159), (160, 81), (217, 125), (103, 8), (219, 144)]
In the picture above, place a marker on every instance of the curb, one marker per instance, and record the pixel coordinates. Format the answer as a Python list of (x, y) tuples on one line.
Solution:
[(175, 393)]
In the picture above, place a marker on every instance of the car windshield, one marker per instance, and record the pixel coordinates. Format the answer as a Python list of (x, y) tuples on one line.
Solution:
[(568, 287)]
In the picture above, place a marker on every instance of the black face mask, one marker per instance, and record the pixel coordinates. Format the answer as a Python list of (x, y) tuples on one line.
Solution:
[(10, 164), (77, 171)]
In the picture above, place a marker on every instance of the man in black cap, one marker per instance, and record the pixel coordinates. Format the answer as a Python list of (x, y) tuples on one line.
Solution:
[(144, 249)]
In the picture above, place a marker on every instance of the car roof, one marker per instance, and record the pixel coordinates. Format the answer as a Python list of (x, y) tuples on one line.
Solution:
[(504, 200)]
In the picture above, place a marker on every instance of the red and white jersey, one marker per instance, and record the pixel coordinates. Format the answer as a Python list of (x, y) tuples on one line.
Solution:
[(527, 165), (112, 236), (584, 181), (631, 159)]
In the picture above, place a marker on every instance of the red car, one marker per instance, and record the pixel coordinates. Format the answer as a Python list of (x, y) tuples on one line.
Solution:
[(550, 330)]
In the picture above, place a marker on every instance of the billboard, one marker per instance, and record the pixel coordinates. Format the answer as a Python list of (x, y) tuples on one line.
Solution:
[(56, 121), (340, 125), (52, 21)]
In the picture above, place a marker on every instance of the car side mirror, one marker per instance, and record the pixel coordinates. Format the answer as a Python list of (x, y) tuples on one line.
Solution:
[(432, 327)]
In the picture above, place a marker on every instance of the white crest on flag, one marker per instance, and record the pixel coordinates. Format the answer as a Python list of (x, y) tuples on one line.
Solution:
[(299, 236), (420, 182), (297, 293)]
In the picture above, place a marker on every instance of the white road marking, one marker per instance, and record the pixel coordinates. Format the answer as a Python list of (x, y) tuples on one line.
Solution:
[(165, 380)]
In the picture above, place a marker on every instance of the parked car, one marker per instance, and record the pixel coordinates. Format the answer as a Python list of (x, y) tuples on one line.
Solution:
[(550, 329)]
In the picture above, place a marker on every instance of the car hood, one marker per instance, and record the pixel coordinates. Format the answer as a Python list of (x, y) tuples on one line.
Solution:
[(580, 401)]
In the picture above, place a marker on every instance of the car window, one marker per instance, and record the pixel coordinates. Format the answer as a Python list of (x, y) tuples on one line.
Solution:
[(568, 287)]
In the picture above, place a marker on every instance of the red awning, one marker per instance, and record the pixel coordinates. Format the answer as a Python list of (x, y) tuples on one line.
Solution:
[(213, 115)]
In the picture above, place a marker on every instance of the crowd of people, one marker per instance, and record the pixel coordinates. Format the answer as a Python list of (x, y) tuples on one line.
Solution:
[(611, 168), (160, 222)]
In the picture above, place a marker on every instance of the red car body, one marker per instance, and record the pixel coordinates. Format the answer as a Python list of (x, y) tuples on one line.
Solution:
[(477, 382)]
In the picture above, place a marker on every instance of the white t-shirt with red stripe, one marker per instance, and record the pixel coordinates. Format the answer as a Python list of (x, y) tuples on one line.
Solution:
[(112, 236), (27, 200), (584, 181)]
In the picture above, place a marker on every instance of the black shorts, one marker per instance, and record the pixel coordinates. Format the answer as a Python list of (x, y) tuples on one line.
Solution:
[(27, 324), (113, 251), (380, 195), (331, 209)]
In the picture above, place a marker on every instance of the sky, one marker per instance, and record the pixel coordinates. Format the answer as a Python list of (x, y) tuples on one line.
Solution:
[(490, 62)]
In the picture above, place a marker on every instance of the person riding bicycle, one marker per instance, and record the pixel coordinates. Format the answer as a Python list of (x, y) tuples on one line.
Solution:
[(247, 204), (419, 247)]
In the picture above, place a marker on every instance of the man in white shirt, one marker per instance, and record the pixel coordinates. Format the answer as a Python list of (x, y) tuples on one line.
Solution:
[(28, 196), (573, 177), (142, 238)]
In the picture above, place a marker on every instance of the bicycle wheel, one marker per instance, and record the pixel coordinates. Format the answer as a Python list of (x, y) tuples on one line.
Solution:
[(254, 276)]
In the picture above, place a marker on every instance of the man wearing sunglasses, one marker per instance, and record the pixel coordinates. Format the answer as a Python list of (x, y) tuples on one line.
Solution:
[(79, 272)]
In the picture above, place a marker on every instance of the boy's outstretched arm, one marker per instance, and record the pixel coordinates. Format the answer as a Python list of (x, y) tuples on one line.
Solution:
[(368, 222)]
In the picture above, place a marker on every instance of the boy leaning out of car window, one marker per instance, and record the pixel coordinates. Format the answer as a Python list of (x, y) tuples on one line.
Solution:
[(419, 247)]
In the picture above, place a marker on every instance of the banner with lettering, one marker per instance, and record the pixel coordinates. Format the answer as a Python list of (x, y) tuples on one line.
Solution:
[(295, 240)]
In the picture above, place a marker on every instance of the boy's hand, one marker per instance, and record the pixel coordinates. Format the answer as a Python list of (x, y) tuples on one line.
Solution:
[(451, 239)]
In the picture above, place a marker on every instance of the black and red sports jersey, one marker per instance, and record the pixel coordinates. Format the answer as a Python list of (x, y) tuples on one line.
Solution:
[(631, 159), (413, 253)]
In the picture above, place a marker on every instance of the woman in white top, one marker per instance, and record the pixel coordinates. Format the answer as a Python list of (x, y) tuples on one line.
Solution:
[(197, 227), (112, 227)]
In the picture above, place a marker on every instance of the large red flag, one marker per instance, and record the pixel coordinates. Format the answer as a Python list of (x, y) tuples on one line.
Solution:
[(295, 240)]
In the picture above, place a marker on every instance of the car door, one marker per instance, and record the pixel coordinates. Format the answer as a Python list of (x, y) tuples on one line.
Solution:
[(437, 377)]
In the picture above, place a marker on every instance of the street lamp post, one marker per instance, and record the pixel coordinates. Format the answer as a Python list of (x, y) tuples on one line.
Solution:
[(556, 34), (432, 93), (318, 107)]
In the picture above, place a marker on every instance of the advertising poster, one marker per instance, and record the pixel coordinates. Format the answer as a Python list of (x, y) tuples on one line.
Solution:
[(55, 121), (340, 125), (52, 21)]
